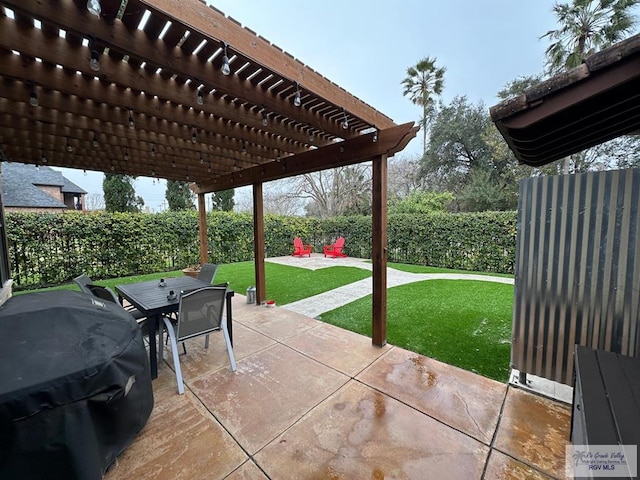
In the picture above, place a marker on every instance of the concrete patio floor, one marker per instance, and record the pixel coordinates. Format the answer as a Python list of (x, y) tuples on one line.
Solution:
[(313, 401)]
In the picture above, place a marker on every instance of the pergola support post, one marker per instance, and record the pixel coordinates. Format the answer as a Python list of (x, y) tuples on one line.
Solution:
[(258, 243), (379, 251), (202, 229)]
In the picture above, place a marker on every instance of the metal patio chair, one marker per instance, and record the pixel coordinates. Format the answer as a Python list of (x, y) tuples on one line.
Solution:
[(207, 272), (105, 293), (82, 281), (200, 313)]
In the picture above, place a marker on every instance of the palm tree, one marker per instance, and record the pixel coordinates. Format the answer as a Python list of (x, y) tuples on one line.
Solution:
[(586, 26), (423, 81)]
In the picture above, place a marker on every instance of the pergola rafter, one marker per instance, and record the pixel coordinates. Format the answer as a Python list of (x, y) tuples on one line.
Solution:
[(46, 48)]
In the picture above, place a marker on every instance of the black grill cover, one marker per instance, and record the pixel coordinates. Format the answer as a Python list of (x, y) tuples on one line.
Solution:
[(75, 385)]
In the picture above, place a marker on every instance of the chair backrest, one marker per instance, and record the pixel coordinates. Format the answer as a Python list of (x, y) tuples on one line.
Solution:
[(207, 272), (339, 243), (297, 243), (102, 292), (82, 281), (200, 312)]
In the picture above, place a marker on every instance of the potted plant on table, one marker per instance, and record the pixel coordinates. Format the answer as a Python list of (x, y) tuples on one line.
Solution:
[(192, 270)]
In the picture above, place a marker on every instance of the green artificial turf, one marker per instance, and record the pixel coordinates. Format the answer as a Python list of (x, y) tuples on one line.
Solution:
[(461, 322), (287, 284), (423, 269)]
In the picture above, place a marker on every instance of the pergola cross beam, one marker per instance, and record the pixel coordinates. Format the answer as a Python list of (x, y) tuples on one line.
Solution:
[(348, 152)]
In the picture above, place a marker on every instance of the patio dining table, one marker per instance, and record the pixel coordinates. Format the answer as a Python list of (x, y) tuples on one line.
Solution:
[(152, 298)]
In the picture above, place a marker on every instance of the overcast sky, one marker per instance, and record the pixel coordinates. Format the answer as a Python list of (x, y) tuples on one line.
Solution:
[(366, 47)]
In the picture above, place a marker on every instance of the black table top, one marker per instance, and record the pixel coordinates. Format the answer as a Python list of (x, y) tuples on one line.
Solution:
[(152, 299)]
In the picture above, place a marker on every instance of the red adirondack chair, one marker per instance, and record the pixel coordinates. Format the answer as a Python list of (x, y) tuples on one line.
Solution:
[(335, 250), (300, 249)]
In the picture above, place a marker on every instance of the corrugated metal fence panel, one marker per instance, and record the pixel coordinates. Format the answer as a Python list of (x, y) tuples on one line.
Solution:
[(577, 270)]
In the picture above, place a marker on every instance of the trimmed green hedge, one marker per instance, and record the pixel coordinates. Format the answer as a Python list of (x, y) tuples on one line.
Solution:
[(49, 249)]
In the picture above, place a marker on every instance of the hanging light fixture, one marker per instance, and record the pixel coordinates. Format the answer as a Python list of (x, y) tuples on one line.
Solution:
[(33, 98), (94, 63), (244, 146), (173, 163), (194, 136), (43, 158), (345, 122), (201, 160), (126, 155), (94, 7), (375, 135), (226, 67), (153, 149), (209, 167), (265, 119), (200, 97), (69, 147), (84, 172), (131, 123), (94, 140), (297, 99)]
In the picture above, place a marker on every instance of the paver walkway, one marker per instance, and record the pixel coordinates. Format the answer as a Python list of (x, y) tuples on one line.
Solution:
[(323, 302)]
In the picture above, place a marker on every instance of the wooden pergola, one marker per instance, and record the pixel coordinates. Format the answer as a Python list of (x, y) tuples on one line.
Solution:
[(174, 89)]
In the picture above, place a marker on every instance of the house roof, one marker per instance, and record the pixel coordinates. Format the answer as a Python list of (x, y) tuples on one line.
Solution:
[(20, 186), (70, 187), (159, 105), (570, 112)]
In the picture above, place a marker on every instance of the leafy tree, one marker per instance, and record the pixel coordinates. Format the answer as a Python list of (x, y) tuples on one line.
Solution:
[(487, 191), (518, 86), (119, 193), (423, 83), (223, 200), (624, 152), (179, 196), (468, 157), (457, 145), (421, 202), (586, 26)]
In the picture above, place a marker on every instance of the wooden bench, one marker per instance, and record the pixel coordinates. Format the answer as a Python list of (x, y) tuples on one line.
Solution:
[(606, 398)]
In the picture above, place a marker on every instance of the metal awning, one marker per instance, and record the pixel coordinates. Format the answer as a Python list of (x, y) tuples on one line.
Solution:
[(577, 109)]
